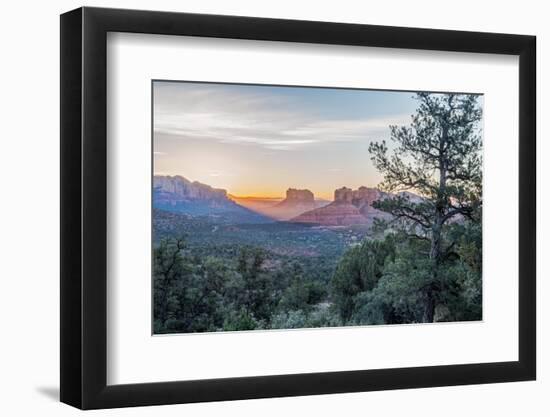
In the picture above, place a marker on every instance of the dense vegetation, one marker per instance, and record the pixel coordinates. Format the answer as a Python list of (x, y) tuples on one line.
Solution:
[(422, 266)]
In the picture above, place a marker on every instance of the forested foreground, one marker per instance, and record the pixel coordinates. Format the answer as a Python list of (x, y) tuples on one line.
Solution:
[(376, 282), (424, 265)]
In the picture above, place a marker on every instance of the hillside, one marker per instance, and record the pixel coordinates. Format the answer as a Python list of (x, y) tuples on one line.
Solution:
[(178, 194), (348, 208)]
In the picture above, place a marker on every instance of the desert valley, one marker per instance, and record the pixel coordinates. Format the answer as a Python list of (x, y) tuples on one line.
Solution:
[(291, 236), (349, 207)]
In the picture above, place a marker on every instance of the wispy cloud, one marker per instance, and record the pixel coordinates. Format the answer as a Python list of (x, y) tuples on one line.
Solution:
[(252, 118)]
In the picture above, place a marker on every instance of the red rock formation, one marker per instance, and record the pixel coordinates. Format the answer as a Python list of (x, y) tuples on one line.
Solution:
[(349, 207), (295, 203), (294, 195), (363, 198), (185, 190), (343, 195), (337, 213)]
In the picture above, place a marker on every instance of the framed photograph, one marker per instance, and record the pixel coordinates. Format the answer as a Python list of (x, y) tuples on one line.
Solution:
[(257, 208)]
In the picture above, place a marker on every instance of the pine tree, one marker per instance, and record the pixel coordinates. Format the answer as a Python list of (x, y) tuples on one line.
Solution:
[(437, 157)]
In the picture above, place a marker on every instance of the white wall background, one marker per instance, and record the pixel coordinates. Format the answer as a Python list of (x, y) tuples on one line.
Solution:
[(29, 225)]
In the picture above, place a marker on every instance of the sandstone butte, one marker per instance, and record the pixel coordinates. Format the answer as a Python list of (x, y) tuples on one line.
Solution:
[(348, 208), (295, 203)]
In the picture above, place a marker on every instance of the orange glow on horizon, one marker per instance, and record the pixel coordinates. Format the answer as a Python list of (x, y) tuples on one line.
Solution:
[(277, 195), (245, 187)]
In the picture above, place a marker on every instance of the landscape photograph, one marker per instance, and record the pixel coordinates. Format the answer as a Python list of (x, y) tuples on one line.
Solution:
[(282, 207)]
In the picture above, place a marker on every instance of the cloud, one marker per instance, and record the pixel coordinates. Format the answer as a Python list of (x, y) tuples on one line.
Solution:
[(249, 117)]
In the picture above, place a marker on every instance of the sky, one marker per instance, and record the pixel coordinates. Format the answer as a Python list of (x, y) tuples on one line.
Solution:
[(255, 140)]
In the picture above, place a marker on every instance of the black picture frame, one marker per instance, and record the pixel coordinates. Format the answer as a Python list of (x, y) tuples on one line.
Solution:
[(84, 207)]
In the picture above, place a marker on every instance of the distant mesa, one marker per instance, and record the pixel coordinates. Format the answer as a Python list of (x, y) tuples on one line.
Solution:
[(348, 208), (363, 198), (174, 189), (294, 196), (178, 194), (343, 195), (295, 203)]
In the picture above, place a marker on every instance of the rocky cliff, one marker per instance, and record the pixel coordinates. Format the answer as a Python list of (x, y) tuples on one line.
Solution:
[(294, 196), (363, 198), (295, 203), (180, 188), (349, 207), (178, 194)]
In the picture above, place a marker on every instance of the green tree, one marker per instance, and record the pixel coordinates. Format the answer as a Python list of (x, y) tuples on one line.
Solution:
[(240, 320), (168, 270), (189, 295), (397, 296), (359, 270), (301, 292), (439, 157), (254, 293)]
